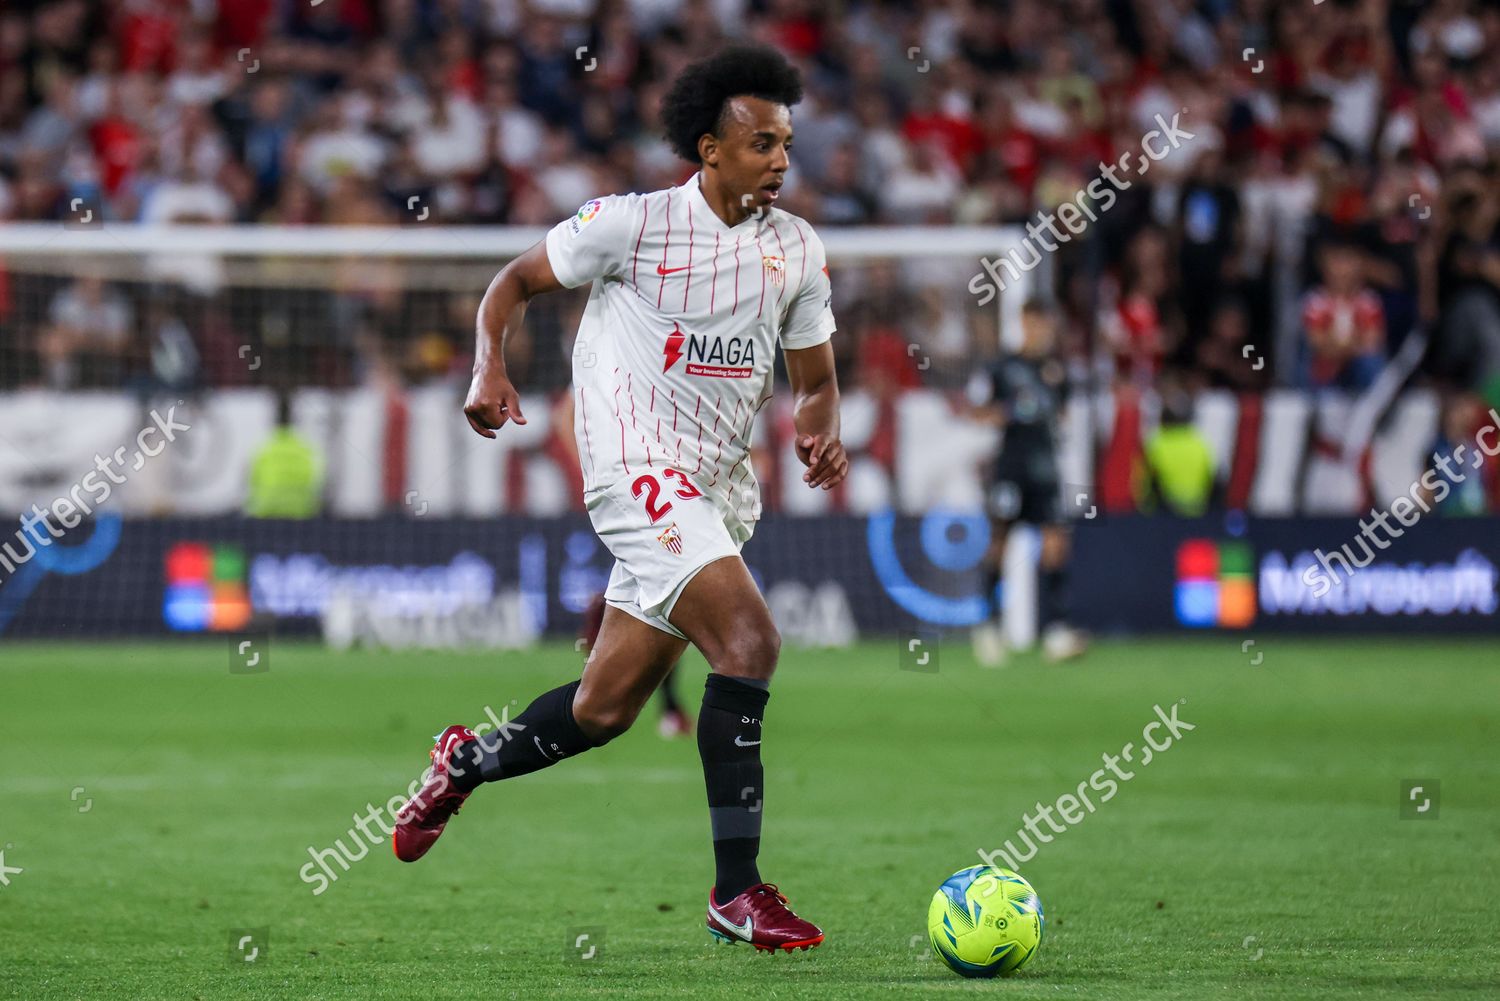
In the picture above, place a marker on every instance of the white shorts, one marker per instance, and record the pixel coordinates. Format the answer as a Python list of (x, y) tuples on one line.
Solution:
[(656, 557)]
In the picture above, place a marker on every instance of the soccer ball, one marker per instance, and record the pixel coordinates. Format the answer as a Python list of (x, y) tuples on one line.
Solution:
[(985, 922)]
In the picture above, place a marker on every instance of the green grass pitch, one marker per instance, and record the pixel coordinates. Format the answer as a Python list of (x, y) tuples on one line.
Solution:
[(1262, 856)]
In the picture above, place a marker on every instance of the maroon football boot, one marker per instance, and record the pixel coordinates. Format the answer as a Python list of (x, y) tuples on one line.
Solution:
[(420, 822), (761, 917)]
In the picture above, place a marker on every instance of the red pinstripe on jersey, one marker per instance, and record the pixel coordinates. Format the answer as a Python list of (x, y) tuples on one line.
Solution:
[(635, 261), (651, 409), (675, 411), (689, 283), (714, 289), (700, 434), (741, 435), (750, 418), (736, 276), (664, 248), (761, 253), (717, 417)]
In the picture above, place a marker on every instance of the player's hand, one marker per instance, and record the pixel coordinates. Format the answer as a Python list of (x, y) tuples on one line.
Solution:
[(492, 401), (823, 455)]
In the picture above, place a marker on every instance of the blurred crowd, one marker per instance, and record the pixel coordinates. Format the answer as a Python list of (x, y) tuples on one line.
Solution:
[(1339, 192)]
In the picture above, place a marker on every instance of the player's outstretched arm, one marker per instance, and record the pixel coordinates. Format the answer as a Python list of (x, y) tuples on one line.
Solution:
[(492, 399), (815, 414)]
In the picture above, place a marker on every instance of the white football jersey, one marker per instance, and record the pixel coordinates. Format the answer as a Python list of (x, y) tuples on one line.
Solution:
[(675, 350)]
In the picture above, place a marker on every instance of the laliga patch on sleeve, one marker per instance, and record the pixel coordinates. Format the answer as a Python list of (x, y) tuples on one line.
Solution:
[(586, 213)]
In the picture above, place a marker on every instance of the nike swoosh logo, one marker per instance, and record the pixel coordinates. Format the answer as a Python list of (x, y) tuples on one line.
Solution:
[(742, 742), (445, 753), (671, 271), (745, 931)]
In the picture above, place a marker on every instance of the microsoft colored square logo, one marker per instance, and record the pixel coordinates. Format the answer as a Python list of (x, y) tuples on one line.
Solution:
[(1215, 584), (205, 588)]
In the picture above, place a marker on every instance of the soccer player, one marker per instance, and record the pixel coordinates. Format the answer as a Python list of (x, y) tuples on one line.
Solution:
[(1024, 394), (691, 289)]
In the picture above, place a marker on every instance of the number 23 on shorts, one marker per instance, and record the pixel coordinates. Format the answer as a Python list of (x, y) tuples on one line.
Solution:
[(650, 486)]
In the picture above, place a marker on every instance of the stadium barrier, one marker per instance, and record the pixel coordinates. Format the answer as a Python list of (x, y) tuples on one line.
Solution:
[(412, 451), (505, 582)]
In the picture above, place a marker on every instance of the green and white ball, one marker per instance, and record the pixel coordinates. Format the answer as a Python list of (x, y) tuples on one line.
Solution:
[(985, 922)]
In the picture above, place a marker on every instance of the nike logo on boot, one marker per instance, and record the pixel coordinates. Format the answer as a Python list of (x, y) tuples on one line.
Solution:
[(745, 931)]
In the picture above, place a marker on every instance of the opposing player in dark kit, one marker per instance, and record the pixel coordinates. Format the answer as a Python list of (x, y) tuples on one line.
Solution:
[(1023, 394)]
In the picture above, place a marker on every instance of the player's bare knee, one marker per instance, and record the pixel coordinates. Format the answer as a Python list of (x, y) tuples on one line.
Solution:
[(750, 652), (604, 724), (602, 720)]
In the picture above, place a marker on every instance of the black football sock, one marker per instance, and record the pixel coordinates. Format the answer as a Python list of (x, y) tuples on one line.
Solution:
[(1053, 601), (543, 734), (729, 744)]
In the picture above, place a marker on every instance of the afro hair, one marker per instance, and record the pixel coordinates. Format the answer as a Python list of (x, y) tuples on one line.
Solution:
[(696, 101)]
